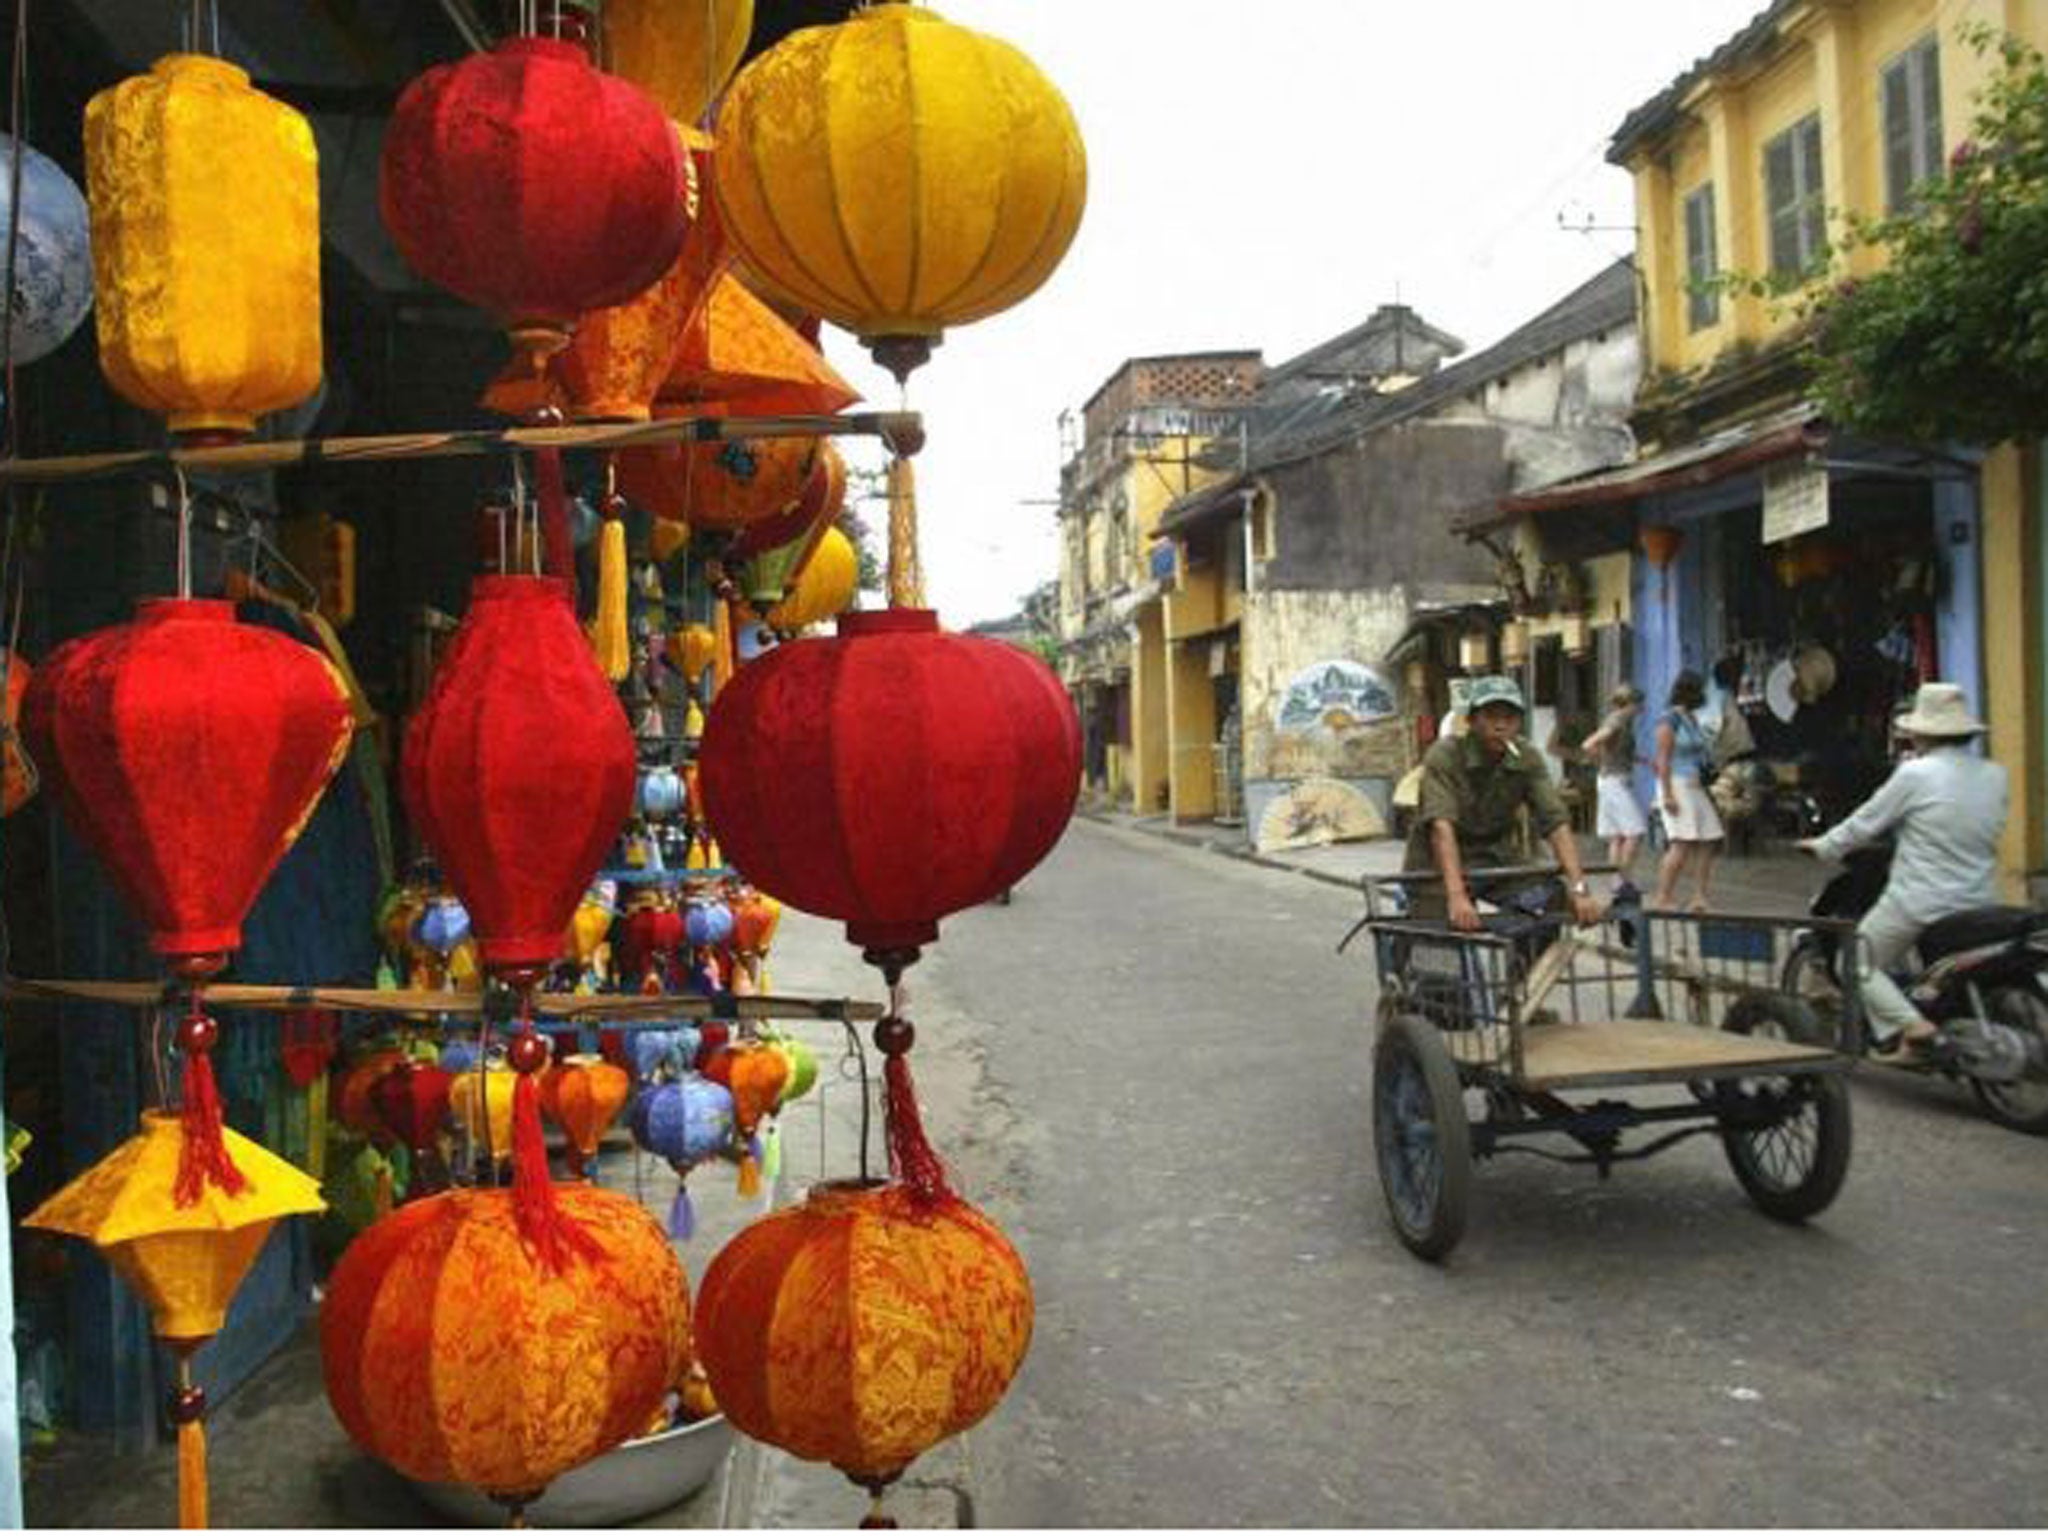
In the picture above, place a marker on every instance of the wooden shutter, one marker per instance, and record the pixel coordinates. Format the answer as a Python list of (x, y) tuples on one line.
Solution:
[(1813, 210), (1927, 68), (1781, 197), (1703, 305), (1898, 134)]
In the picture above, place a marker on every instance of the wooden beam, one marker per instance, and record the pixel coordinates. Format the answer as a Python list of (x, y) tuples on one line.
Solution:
[(900, 429)]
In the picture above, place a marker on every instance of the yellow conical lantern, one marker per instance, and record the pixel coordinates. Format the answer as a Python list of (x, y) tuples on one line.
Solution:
[(691, 649), (205, 198), (897, 174), (186, 1261), (824, 585), (482, 1105), (681, 52)]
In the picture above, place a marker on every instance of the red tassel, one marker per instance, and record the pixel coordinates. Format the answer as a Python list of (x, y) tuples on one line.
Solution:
[(554, 1236), (204, 1155), (911, 1158), (558, 552)]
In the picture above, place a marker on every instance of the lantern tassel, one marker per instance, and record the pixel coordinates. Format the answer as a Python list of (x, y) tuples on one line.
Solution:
[(614, 646), (192, 1475), (906, 574), (750, 1174), (911, 1158), (682, 1216), (558, 551), (204, 1156), (547, 1228)]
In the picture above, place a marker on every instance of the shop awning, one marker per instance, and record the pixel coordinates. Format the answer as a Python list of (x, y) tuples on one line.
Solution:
[(1205, 505), (1783, 434)]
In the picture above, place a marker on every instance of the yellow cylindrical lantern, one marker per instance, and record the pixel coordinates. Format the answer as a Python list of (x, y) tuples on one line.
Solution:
[(482, 1103), (897, 174), (824, 585), (205, 198), (680, 52)]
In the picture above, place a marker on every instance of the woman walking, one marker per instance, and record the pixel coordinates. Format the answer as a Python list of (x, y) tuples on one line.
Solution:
[(1692, 827), (1620, 815)]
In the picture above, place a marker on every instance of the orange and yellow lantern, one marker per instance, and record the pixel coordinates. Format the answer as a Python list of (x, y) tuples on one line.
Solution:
[(738, 356), (717, 487), (583, 1095), (864, 1326), (824, 588), (454, 1354), (680, 52), (205, 197)]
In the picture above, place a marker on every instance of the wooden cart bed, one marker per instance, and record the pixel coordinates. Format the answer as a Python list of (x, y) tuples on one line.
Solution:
[(1635, 1051)]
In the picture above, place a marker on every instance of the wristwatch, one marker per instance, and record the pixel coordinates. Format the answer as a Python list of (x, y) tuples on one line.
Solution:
[(1580, 888)]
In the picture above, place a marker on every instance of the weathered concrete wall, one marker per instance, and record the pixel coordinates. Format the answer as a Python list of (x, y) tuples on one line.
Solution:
[(1287, 633)]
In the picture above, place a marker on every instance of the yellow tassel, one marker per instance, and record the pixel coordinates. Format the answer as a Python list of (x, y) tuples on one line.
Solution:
[(750, 1176), (192, 1476), (723, 659), (906, 574), (693, 722), (316, 1127), (614, 646)]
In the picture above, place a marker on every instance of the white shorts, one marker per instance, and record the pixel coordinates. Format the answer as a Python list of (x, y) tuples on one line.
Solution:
[(1695, 820), (1621, 814)]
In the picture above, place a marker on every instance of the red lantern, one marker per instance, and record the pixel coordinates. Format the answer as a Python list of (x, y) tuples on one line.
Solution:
[(534, 186), (412, 1102), (892, 775), (188, 751), (518, 769)]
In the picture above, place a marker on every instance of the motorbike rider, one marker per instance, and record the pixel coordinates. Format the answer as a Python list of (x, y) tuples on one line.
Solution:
[(1946, 807), (1473, 789)]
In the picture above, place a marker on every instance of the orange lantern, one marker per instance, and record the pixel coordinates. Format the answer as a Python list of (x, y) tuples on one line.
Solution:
[(452, 1352), (756, 1075), (738, 355), (691, 650), (864, 1326), (352, 1104), (583, 1095), (18, 777), (715, 486)]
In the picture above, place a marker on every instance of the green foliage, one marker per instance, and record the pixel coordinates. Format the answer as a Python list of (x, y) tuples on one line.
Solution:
[(1949, 341), (855, 527)]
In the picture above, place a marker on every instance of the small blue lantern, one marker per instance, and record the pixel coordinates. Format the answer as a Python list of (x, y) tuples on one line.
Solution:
[(658, 1050), (53, 255), (661, 793), (707, 924), (684, 1122), (443, 926)]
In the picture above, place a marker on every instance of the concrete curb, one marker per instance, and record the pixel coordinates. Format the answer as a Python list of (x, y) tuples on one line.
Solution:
[(1242, 854)]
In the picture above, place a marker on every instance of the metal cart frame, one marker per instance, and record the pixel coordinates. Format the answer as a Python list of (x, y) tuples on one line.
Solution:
[(1509, 1020)]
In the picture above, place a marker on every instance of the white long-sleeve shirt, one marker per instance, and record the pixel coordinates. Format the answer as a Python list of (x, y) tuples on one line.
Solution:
[(1949, 808)]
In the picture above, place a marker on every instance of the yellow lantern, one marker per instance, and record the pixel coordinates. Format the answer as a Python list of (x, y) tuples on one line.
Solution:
[(680, 52), (897, 174), (482, 1105), (824, 586), (186, 1261), (205, 198)]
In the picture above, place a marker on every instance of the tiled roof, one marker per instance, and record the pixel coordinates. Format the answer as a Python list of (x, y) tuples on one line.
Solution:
[(1657, 115)]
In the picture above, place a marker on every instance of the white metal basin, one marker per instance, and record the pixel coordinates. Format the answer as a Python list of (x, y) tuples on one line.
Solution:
[(640, 1478)]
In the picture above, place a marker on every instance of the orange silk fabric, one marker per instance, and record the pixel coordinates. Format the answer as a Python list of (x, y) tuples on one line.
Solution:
[(861, 1328), (450, 1354)]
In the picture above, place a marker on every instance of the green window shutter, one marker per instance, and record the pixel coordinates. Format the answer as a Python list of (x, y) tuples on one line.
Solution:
[(1813, 217), (1781, 198), (1897, 97), (1927, 58), (1703, 304)]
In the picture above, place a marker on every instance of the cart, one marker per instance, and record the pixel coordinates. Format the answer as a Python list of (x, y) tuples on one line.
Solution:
[(1516, 1039)]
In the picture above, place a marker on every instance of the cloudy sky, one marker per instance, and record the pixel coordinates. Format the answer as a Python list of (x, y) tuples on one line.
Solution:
[(1263, 176)]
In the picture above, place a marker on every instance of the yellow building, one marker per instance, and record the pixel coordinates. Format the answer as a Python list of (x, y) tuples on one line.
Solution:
[(1136, 447), (1779, 535)]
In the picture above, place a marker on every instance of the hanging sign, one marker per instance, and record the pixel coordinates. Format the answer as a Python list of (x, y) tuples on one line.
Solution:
[(1795, 500)]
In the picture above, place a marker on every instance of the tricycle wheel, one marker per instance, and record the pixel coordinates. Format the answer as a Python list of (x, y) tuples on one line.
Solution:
[(1787, 1138), (1420, 1134), (1809, 976)]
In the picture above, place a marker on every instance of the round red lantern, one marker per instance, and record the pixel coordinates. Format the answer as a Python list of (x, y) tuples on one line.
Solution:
[(533, 185), (892, 775), (863, 1326), (518, 769), (452, 1353), (188, 751)]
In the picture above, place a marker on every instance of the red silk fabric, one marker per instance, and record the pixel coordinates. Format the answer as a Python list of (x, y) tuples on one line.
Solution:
[(892, 775), (188, 751), (532, 185), (518, 768)]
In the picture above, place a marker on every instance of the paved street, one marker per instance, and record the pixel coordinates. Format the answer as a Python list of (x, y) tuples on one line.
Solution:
[(1154, 1070)]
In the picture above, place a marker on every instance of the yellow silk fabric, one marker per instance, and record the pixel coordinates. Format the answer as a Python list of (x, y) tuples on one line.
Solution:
[(860, 1328), (898, 174), (825, 584), (681, 52), (185, 1261), (450, 1353), (205, 202), (737, 355)]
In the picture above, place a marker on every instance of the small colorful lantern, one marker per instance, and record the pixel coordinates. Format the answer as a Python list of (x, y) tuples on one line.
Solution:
[(680, 54), (412, 1103), (736, 356), (823, 499), (803, 1067), (209, 331), (583, 1095), (756, 1075), (660, 792), (716, 487), (353, 1105), (185, 1257), (482, 1104), (685, 1123), (454, 1353), (18, 780), (864, 1326), (53, 252), (531, 185), (826, 584), (892, 775), (650, 938), (663, 1051), (691, 650), (707, 922), (897, 174)]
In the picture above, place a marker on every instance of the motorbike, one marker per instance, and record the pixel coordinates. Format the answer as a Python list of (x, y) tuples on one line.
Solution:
[(1982, 980)]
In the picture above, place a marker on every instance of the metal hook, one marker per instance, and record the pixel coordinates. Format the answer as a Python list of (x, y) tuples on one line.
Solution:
[(184, 531)]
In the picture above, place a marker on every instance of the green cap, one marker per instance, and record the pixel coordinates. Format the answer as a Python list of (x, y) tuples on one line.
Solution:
[(1495, 690)]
